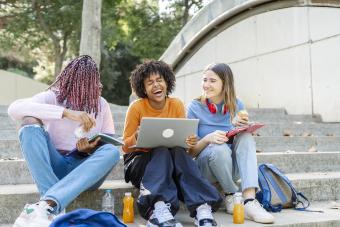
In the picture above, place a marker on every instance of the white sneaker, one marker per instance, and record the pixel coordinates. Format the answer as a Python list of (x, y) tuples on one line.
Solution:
[(161, 216), (204, 216), (254, 211), (35, 215), (229, 204)]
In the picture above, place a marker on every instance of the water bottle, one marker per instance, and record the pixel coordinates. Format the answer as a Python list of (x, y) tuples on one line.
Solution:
[(238, 212), (108, 202)]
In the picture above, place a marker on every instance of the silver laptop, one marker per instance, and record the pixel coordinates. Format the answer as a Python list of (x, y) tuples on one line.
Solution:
[(167, 132)]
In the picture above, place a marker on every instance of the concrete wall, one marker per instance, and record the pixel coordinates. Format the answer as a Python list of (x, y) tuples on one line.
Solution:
[(282, 58), (14, 86)]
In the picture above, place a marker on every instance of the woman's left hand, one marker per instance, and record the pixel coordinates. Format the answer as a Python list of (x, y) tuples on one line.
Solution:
[(84, 146), (191, 141)]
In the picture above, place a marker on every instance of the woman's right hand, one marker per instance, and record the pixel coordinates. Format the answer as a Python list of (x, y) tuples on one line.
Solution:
[(217, 137), (85, 119)]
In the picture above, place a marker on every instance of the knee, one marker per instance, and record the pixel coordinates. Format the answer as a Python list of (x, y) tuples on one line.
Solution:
[(31, 121), (111, 153), (31, 132), (221, 153), (247, 141), (245, 137)]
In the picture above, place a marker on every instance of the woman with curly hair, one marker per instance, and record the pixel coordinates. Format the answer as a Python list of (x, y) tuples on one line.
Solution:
[(166, 175), (49, 121)]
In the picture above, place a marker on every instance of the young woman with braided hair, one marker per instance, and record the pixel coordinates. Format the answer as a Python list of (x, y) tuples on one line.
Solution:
[(49, 122)]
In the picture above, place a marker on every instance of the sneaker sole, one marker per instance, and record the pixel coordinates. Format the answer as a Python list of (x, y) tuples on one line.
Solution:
[(196, 223), (25, 223), (258, 221), (149, 224)]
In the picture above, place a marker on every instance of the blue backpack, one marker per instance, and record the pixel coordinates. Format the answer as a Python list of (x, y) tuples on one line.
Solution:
[(87, 218), (277, 192)]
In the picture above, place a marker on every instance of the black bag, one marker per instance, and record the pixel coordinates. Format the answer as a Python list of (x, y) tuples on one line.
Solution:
[(134, 166)]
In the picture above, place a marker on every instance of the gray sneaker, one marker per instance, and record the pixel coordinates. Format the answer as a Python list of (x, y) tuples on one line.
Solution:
[(162, 217), (229, 204), (204, 216)]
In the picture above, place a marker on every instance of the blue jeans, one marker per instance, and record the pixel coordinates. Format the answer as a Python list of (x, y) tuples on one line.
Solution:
[(62, 178), (226, 165)]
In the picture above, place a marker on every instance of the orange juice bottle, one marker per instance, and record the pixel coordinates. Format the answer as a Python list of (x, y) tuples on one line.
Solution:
[(238, 216), (128, 213)]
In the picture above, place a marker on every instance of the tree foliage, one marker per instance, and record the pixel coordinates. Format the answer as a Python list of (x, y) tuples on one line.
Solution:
[(48, 25), (132, 30)]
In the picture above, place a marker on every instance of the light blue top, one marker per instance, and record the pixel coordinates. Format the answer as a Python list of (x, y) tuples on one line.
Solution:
[(210, 122)]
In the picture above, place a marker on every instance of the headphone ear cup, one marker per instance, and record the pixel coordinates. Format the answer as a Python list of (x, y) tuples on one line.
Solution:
[(212, 108), (224, 109)]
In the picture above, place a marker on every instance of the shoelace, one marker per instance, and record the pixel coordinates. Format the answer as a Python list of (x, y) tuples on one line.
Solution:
[(45, 206), (163, 213), (259, 205), (204, 212)]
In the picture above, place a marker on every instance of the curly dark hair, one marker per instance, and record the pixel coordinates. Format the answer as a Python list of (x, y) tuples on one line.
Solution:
[(148, 68)]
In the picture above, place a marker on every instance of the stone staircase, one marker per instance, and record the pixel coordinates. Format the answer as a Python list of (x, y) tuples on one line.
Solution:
[(304, 147)]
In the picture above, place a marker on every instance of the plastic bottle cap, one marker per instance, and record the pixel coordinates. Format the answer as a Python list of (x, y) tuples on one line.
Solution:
[(127, 193), (238, 194)]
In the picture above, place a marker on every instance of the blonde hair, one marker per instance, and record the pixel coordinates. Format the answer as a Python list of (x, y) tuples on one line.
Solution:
[(224, 72)]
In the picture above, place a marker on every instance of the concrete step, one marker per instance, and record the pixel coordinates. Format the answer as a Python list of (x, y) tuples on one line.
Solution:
[(118, 108), (316, 186), (16, 171), (10, 148), (7, 123), (300, 129), (9, 128), (9, 134), (261, 115), (14, 197), (285, 118), (114, 109), (285, 218), (297, 143), (253, 111)]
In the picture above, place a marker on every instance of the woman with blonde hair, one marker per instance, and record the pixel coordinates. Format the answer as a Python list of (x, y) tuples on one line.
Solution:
[(222, 159)]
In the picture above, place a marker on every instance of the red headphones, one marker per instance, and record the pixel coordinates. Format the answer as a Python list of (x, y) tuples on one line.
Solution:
[(213, 108)]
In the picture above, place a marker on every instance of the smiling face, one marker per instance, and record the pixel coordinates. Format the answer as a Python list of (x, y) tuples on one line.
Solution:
[(156, 90), (212, 86)]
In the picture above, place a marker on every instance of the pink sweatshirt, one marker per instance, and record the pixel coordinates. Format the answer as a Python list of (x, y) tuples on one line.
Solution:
[(45, 107)]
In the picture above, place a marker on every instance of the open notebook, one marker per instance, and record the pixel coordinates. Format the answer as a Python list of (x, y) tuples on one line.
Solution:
[(251, 127)]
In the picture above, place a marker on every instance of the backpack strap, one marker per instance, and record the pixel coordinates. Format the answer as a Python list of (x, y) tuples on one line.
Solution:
[(265, 194)]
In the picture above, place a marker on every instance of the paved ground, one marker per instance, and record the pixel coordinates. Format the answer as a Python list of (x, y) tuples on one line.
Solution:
[(288, 217)]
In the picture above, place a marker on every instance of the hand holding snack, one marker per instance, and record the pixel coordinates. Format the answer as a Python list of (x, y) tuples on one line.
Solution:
[(241, 118)]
